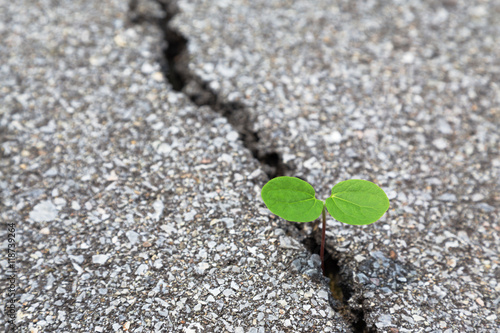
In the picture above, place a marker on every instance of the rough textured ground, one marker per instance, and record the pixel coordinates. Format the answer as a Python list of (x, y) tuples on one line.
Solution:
[(402, 93), (137, 210)]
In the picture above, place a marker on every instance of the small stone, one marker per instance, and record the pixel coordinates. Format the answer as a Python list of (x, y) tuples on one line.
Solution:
[(120, 41), (141, 269), (333, 137), (323, 294), (100, 258), (158, 206), (485, 207), (288, 243), (45, 231), (232, 136), (297, 264), (97, 61), (132, 236), (158, 76), (444, 127), (75, 205), (112, 176), (228, 292), (478, 11), (215, 291), (60, 202), (448, 197), (158, 264), (408, 58), (440, 143), (78, 259), (189, 216), (51, 172), (228, 159), (418, 318), (202, 266), (451, 263), (146, 68), (229, 222), (312, 163), (45, 211), (384, 321), (314, 261), (492, 317), (359, 258), (256, 173), (282, 302), (477, 197), (164, 149)]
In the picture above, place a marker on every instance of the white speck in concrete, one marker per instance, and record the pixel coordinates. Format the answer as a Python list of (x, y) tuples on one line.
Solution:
[(232, 136), (132, 236), (75, 205), (418, 318), (100, 258), (323, 294), (141, 269), (333, 137), (384, 321), (440, 143), (158, 207), (44, 211), (448, 197), (215, 291)]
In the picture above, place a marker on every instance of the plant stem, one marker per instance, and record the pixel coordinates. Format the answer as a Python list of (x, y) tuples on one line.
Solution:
[(323, 236)]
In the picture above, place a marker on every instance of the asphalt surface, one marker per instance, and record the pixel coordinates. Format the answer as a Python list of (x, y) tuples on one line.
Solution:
[(136, 209)]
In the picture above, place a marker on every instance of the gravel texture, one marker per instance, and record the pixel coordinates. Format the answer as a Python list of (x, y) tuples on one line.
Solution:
[(135, 210), (402, 93)]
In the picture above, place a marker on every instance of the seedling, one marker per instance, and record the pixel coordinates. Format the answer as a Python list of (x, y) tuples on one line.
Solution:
[(354, 201)]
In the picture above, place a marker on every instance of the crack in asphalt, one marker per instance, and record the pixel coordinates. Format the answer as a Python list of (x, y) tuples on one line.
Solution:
[(174, 64), (176, 70)]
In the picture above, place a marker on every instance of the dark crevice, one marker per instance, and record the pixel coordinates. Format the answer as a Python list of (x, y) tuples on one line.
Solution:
[(175, 69), (174, 52), (340, 288)]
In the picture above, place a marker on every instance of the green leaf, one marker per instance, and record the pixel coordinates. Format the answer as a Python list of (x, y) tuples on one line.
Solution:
[(357, 202), (292, 199)]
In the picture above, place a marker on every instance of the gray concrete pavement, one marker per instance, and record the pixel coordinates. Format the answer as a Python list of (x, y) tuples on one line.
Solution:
[(137, 210)]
